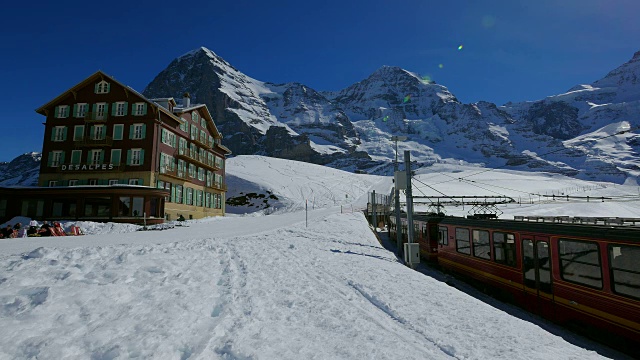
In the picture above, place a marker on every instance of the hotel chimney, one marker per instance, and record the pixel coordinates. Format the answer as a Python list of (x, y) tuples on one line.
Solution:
[(186, 100)]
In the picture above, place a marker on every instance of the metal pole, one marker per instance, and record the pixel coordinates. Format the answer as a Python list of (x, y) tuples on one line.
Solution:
[(407, 165), (373, 209), (306, 213), (397, 206)]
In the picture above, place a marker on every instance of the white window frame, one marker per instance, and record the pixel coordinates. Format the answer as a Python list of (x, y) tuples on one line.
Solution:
[(103, 87), (73, 182), (113, 182), (81, 109), (135, 157), (98, 132), (58, 133), (62, 111), (93, 182), (138, 109), (121, 106), (53, 183), (56, 158), (137, 131), (95, 156), (101, 111)]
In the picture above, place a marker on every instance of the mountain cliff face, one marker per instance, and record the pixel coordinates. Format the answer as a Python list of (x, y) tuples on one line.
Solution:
[(21, 171), (572, 133)]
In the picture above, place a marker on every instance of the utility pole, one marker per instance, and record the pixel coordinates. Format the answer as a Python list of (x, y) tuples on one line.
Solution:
[(373, 209), (397, 197), (407, 166)]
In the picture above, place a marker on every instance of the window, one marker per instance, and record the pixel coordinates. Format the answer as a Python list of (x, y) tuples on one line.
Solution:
[(189, 196), (119, 109), (194, 133), (462, 241), (203, 137), (625, 269), (182, 146), (178, 195), (59, 133), (443, 237), (181, 168), (97, 132), (137, 207), (56, 158), (203, 123), (96, 157), (134, 181), (184, 125), (580, 262), (32, 208), (93, 181), (73, 182), (76, 157), (78, 132), (218, 180), (192, 171), (137, 131), (101, 111), (118, 129), (168, 138), (62, 111), (115, 156), (139, 109), (102, 87), (200, 174), (504, 248), (481, 246), (167, 163), (80, 110), (113, 181), (199, 198), (53, 183), (135, 156), (219, 162), (209, 178), (195, 117)]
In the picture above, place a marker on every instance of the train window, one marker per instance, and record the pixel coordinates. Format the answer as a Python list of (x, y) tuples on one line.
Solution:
[(625, 269), (462, 241), (443, 236), (580, 262), (504, 248), (481, 246)]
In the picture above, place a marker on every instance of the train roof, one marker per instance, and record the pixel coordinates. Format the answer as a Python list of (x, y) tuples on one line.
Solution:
[(627, 229)]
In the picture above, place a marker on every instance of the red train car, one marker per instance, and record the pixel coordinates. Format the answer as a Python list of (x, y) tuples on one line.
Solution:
[(586, 276)]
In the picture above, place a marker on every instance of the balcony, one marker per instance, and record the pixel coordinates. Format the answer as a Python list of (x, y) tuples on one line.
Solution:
[(178, 154), (107, 141), (96, 116), (172, 173)]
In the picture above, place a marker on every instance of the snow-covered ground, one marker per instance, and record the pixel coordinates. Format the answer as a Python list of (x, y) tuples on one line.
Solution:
[(289, 285)]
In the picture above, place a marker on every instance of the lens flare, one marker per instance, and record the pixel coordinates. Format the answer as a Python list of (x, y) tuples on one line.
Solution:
[(407, 99), (460, 47), (385, 118), (426, 78), (440, 66)]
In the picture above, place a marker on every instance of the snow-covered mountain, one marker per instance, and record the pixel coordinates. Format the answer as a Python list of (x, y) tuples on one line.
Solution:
[(350, 129), (21, 171)]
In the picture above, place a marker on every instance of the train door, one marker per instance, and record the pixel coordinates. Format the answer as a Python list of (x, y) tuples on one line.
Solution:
[(536, 267)]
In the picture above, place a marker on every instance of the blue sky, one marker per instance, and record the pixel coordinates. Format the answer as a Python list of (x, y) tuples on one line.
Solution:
[(512, 50)]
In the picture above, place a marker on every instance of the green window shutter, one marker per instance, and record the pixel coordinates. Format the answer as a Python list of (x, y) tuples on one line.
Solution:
[(144, 131), (75, 157), (144, 109), (64, 134), (140, 182), (141, 156), (92, 131), (93, 108), (62, 158), (66, 111), (75, 110), (115, 157), (108, 87), (173, 194), (50, 158), (130, 132), (128, 157), (53, 134), (163, 135), (173, 142), (113, 109), (77, 132), (95, 88), (117, 131), (126, 107), (101, 156), (55, 111)]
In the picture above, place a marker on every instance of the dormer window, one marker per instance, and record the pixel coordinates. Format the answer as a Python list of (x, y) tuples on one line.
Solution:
[(194, 117), (102, 87)]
